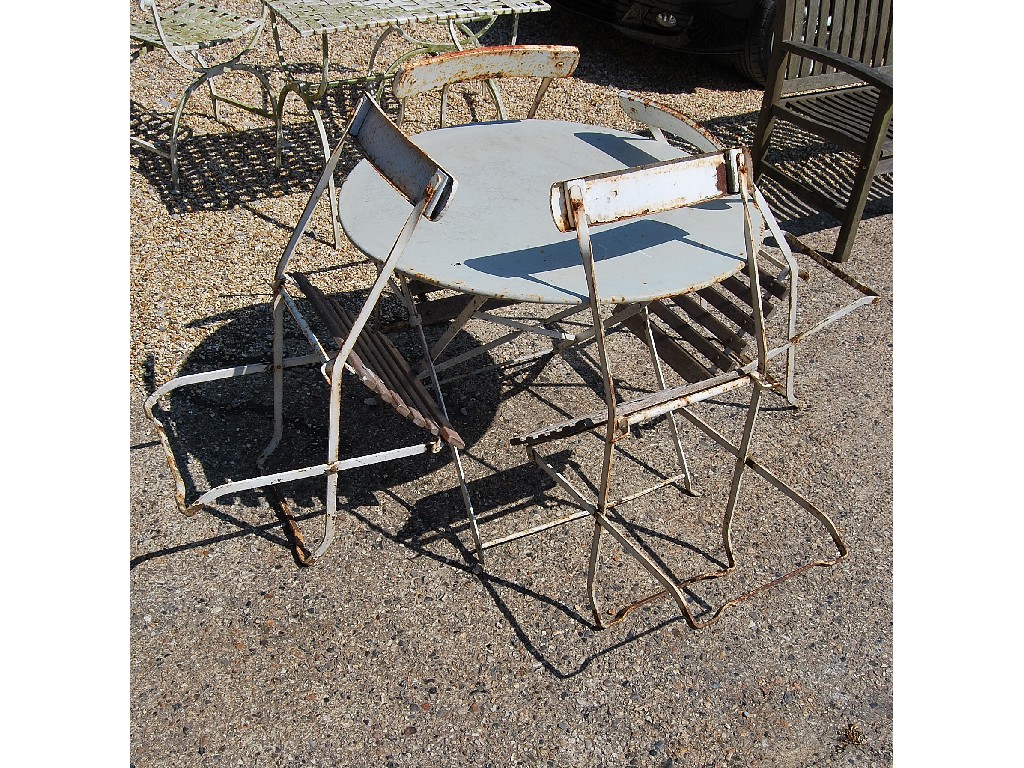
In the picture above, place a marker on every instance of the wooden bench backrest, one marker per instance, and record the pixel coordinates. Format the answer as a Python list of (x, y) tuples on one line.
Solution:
[(860, 29)]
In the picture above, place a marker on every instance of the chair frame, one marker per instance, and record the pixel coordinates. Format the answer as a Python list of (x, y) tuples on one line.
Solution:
[(661, 119), (429, 189), (188, 57), (581, 204)]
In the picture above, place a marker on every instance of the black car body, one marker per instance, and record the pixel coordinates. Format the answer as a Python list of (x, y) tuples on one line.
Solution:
[(740, 30)]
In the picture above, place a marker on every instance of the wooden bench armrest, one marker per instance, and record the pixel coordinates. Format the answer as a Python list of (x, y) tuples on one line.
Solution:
[(869, 75)]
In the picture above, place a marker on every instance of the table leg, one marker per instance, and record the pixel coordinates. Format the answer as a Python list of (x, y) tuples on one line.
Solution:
[(416, 321)]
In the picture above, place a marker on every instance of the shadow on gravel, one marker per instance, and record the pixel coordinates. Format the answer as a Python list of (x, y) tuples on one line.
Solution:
[(227, 168), (819, 164), (218, 429), (510, 492)]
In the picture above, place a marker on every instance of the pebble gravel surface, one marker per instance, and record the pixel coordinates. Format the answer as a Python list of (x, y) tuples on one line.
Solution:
[(393, 650)]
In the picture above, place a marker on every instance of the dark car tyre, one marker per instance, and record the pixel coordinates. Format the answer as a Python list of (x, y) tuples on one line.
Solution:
[(752, 61)]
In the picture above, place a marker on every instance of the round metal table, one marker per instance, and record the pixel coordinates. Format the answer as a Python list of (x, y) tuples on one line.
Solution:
[(497, 237)]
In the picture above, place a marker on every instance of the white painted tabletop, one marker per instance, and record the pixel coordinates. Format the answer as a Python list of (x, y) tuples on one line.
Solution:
[(497, 237)]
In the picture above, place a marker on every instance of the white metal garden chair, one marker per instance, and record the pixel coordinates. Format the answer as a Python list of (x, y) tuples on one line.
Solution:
[(581, 205), (355, 346), (489, 64), (184, 32)]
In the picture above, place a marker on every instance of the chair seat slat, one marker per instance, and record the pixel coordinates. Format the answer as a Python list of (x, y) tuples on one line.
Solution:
[(382, 367)]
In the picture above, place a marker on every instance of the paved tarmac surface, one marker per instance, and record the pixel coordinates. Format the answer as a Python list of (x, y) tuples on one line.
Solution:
[(392, 651)]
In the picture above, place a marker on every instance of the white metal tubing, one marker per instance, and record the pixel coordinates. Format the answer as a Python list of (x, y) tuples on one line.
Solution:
[(790, 272), (332, 192), (333, 439), (277, 478), (536, 529), (326, 179), (483, 348), (754, 464), (386, 270), (645, 491), (587, 334), (661, 577), (576, 193), (187, 380), (737, 479), (595, 551), (222, 373), (760, 337), (456, 325), (525, 327), (660, 377), (467, 500), (277, 311), (658, 117), (560, 480), (314, 342), (521, 360)]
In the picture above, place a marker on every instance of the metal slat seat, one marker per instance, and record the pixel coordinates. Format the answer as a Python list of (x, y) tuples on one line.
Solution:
[(379, 364), (366, 352)]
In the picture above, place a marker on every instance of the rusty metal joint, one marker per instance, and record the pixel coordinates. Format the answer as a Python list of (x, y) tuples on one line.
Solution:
[(622, 428)]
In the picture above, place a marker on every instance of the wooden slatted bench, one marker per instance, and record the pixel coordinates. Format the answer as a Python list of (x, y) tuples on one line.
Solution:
[(832, 80)]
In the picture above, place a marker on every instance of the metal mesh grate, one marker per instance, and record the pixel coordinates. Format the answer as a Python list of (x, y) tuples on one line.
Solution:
[(193, 26), (315, 17)]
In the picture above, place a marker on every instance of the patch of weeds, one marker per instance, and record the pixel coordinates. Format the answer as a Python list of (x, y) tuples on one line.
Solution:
[(850, 736)]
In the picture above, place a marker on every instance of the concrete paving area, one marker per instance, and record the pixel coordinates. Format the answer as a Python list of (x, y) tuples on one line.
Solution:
[(393, 650)]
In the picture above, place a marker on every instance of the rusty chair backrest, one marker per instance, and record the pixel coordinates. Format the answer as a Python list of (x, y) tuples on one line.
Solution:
[(488, 63)]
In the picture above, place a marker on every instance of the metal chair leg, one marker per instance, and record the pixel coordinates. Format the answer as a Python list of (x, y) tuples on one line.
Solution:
[(660, 376), (416, 321)]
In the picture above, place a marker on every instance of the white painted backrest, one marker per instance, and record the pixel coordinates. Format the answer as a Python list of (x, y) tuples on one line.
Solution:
[(405, 166), (649, 189)]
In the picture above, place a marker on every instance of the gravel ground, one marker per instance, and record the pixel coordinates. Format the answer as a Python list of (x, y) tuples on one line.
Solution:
[(392, 651)]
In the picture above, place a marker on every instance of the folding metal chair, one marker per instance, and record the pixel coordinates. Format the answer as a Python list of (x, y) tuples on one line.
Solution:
[(583, 204), (360, 349), (661, 118), (717, 321), (488, 63), (183, 33)]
